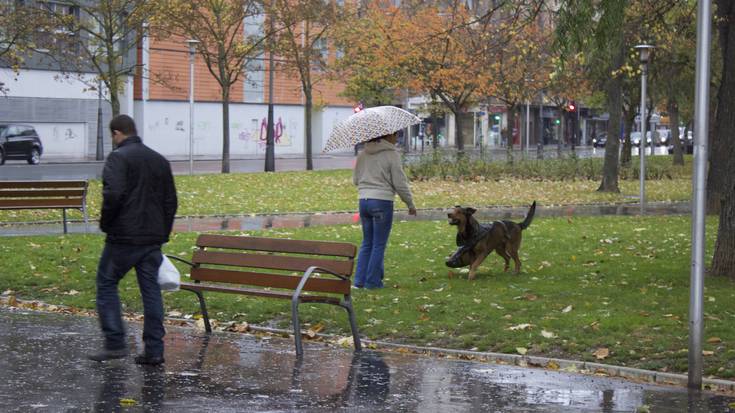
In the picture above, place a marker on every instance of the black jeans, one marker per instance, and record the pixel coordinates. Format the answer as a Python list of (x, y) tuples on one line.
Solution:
[(115, 262)]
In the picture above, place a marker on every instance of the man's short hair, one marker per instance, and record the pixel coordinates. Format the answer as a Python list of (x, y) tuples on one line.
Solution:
[(124, 124)]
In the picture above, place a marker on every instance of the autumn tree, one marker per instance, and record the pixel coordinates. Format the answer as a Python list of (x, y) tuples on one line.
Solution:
[(598, 28), (217, 26), (301, 39), (99, 36), (519, 71), (16, 33), (435, 48)]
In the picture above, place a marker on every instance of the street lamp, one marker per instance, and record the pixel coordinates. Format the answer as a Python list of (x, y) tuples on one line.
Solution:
[(99, 155), (192, 48), (645, 54)]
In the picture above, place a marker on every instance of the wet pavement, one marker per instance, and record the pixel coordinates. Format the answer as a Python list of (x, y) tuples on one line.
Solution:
[(256, 222), (43, 369)]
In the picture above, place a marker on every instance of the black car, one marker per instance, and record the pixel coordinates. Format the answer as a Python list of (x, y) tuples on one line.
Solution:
[(20, 142), (600, 141)]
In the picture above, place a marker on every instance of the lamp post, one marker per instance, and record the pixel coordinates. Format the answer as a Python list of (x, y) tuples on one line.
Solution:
[(270, 145), (99, 155), (144, 76), (699, 193), (192, 48), (645, 54)]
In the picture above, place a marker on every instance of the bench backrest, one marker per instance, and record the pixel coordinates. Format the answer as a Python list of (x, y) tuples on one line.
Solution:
[(42, 194), (272, 262)]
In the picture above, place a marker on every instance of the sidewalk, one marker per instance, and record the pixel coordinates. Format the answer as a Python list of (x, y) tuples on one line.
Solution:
[(44, 369), (257, 222)]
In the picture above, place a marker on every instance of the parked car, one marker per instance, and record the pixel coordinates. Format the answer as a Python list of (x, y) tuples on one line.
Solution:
[(600, 141), (20, 142), (635, 138), (687, 144)]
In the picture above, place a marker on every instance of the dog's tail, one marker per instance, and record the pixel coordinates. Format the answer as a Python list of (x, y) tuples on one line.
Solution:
[(527, 222)]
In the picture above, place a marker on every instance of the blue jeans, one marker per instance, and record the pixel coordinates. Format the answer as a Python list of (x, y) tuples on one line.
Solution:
[(115, 262), (376, 216)]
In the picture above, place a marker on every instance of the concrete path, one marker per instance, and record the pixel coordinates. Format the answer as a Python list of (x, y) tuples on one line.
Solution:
[(43, 368), (256, 222)]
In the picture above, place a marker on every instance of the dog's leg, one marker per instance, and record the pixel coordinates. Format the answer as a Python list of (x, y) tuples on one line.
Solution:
[(501, 250), (476, 264), (516, 259)]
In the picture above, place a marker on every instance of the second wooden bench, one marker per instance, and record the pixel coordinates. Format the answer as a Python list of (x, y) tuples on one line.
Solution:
[(264, 267)]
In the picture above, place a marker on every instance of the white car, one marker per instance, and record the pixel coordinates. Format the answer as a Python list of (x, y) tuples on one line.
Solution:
[(635, 138)]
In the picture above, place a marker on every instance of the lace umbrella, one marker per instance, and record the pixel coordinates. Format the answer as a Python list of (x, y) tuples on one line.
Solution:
[(369, 124)]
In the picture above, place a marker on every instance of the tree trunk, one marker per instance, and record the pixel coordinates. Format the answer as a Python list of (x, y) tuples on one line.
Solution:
[(307, 129), (720, 173), (509, 134), (226, 130), (723, 260), (673, 108), (610, 166), (459, 140), (560, 137), (626, 155), (434, 130)]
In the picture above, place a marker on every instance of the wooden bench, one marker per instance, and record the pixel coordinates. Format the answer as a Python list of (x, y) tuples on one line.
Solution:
[(45, 195), (265, 267)]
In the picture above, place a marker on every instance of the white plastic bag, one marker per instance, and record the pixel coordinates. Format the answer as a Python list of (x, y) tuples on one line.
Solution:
[(168, 276)]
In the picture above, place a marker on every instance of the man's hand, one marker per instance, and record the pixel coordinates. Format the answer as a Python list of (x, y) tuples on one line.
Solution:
[(412, 211)]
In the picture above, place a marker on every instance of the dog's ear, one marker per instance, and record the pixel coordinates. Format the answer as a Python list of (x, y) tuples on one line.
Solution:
[(458, 206), (470, 210)]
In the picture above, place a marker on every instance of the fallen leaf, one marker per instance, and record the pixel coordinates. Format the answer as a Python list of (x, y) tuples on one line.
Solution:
[(714, 340), (547, 334), (128, 402), (707, 353), (524, 326), (551, 365), (601, 353), (567, 309), (477, 300), (521, 350), (346, 342)]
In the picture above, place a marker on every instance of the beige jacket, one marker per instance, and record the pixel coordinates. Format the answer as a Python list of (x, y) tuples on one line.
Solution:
[(378, 173)]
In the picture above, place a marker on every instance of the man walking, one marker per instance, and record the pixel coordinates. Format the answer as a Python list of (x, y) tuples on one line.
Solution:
[(138, 207)]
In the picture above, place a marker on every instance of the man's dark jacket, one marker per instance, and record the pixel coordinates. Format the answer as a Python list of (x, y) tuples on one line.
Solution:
[(138, 195)]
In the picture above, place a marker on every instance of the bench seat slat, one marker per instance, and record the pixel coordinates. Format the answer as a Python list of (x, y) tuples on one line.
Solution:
[(38, 193), (272, 262), (339, 249), (259, 293), (321, 285), (41, 203), (42, 184)]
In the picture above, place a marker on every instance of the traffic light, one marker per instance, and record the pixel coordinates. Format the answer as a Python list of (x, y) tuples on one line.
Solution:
[(497, 118), (571, 107), (557, 121)]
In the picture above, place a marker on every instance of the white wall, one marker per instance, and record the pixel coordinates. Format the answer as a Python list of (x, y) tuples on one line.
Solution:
[(166, 128), (62, 139), (48, 84)]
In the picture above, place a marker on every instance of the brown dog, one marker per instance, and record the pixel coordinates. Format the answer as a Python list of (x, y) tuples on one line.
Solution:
[(477, 241)]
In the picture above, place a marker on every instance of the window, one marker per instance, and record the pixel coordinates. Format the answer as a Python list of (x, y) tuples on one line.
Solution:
[(61, 9)]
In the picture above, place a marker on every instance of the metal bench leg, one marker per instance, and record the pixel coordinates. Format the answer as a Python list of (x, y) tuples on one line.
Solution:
[(347, 304), (203, 306), (296, 326), (63, 214)]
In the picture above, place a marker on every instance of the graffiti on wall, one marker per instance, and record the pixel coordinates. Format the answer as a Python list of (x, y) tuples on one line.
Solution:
[(258, 131)]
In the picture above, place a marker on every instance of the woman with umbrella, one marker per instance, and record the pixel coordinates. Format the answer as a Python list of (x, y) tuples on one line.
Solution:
[(379, 176)]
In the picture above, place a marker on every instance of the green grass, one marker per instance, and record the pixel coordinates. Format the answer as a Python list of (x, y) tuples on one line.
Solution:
[(315, 191), (620, 283)]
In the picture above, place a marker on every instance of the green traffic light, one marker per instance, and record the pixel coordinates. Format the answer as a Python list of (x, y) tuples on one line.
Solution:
[(557, 121), (497, 117)]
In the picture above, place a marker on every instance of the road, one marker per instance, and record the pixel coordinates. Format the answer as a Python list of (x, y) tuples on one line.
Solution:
[(58, 169)]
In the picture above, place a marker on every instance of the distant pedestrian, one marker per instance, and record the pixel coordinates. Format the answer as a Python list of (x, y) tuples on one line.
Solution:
[(138, 207), (379, 176)]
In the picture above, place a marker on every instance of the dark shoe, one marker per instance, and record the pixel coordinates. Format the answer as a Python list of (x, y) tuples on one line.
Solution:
[(109, 355), (149, 360)]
